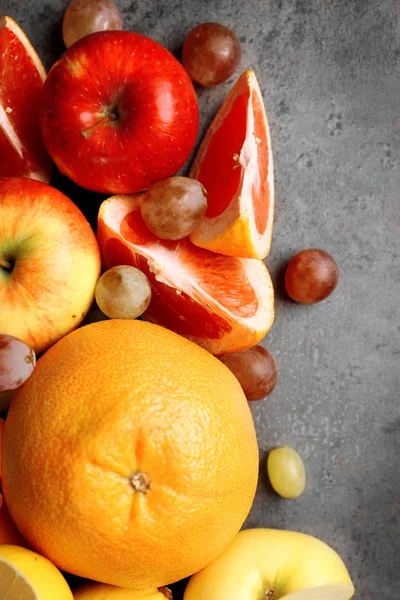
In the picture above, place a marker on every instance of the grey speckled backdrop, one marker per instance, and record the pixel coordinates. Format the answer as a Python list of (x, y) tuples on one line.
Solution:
[(330, 74)]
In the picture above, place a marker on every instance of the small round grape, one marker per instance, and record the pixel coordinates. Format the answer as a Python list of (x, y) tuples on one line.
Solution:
[(172, 208), (311, 276), (255, 369), (286, 472), (211, 54), (17, 362), (88, 16), (123, 292)]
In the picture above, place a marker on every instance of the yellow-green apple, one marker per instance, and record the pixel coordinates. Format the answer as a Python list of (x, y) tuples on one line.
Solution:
[(22, 150), (49, 263), (269, 564), (119, 112)]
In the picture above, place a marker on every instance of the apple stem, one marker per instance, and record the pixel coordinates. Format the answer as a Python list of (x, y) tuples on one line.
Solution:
[(86, 133), (5, 264)]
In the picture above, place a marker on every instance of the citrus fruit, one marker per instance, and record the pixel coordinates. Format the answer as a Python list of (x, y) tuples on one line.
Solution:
[(1, 440), (222, 303), (147, 463), (25, 575), (22, 75), (103, 591), (234, 164), (9, 534)]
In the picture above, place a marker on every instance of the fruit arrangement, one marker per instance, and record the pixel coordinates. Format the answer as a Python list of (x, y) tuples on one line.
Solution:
[(128, 358)]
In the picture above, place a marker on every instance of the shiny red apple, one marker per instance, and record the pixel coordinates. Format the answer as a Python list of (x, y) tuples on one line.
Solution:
[(119, 112)]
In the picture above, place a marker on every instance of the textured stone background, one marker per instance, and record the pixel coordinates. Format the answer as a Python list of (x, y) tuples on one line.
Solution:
[(330, 74)]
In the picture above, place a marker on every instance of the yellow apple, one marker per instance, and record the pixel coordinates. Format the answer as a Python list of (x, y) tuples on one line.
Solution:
[(49, 263), (269, 564)]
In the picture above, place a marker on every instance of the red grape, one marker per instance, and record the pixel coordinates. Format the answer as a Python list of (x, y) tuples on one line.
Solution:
[(88, 16), (172, 208), (255, 369), (211, 53), (311, 276), (17, 362)]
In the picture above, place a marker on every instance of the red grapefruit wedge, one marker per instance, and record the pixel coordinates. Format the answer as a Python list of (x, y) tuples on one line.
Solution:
[(222, 303), (21, 80), (234, 163)]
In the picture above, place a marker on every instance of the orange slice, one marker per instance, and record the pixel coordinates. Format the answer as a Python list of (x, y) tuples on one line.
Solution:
[(222, 303), (234, 163), (21, 80)]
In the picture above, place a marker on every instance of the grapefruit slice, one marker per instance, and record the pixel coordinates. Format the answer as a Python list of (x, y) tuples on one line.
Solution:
[(234, 163), (222, 303), (21, 80)]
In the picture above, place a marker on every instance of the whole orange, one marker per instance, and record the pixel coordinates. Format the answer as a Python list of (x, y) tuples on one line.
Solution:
[(9, 534), (130, 455)]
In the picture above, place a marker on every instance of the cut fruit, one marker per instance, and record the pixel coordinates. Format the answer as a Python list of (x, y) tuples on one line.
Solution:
[(29, 576), (221, 303), (22, 75), (234, 163), (275, 565)]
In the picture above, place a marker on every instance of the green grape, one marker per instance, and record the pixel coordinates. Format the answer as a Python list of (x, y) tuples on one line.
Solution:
[(286, 472), (123, 292)]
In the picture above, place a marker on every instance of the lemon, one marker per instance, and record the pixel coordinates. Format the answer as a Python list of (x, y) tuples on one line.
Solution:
[(25, 575)]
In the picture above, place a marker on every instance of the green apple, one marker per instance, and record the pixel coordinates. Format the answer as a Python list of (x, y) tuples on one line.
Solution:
[(269, 564)]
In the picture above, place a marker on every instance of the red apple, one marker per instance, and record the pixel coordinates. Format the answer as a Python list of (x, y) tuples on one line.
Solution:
[(49, 263), (119, 112)]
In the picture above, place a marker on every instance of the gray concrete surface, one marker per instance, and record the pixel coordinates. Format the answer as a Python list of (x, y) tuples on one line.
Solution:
[(330, 74)]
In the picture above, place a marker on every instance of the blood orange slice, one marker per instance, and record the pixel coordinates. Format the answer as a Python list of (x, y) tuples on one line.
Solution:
[(234, 163), (21, 80), (222, 303)]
